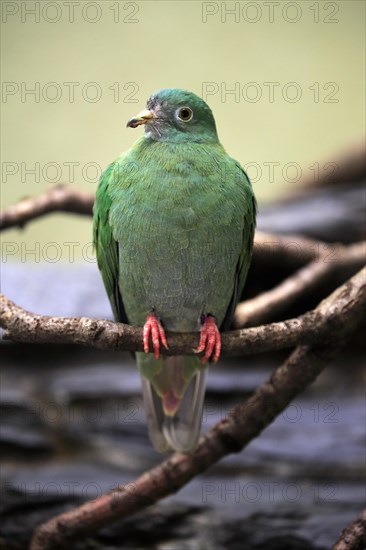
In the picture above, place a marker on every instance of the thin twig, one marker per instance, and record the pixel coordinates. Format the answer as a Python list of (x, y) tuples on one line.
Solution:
[(230, 435)]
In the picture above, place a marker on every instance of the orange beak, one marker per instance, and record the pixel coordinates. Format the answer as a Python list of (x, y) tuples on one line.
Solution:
[(141, 118)]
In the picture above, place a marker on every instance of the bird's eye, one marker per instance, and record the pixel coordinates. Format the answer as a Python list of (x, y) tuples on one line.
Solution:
[(185, 114)]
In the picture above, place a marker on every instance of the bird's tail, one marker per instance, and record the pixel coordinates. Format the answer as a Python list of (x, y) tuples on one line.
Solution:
[(173, 391)]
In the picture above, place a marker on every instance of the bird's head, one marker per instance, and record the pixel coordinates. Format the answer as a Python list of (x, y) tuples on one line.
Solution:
[(177, 115)]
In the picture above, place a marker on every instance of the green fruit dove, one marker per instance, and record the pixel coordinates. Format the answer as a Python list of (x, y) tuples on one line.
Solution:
[(174, 221)]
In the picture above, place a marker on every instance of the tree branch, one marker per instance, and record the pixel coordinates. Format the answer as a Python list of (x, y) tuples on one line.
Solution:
[(23, 326), (288, 251), (229, 435), (319, 334), (60, 198), (305, 281), (353, 537)]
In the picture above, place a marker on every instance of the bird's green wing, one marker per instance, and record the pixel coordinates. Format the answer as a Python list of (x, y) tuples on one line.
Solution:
[(246, 250), (106, 247)]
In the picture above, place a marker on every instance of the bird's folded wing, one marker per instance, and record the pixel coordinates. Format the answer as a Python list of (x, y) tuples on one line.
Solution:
[(250, 211), (106, 246)]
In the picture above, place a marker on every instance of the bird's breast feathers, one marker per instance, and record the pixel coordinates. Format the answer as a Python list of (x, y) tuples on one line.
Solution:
[(179, 226)]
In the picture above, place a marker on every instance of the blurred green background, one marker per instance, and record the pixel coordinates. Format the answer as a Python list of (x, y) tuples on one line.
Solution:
[(296, 70)]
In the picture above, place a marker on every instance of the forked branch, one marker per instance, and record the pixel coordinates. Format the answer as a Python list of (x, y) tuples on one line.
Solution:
[(229, 435)]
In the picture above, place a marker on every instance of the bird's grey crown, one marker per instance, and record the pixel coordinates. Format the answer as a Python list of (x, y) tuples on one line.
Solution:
[(152, 102)]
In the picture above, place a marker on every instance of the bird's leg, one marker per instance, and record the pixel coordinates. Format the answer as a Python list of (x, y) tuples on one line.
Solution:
[(210, 340), (154, 327)]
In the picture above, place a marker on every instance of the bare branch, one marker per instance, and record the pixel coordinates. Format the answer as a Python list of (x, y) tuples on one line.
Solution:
[(230, 435), (23, 326), (269, 304), (319, 334), (289, 251), (60, 198), (353, 537)]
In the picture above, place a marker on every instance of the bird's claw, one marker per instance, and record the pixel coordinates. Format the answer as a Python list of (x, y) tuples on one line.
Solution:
[(210, 341), (154, 327)]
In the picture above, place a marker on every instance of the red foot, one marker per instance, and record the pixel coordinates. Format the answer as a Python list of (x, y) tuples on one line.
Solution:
[(210, 340), (155, 328)]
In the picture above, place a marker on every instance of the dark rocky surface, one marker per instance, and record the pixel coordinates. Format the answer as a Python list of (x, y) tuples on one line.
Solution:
[(73, 427), (327, 213)]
